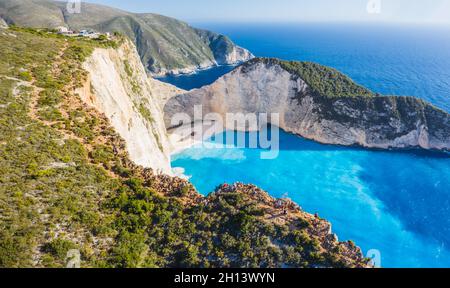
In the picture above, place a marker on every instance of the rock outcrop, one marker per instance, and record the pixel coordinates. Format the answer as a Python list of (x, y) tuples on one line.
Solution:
[(320, 104), (119, 87), (133, 103), (224, 50), (3, 24), (82, 190)]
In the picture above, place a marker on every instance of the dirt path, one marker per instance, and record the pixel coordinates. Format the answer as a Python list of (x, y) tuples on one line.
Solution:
[(69, 100), (34, 109)]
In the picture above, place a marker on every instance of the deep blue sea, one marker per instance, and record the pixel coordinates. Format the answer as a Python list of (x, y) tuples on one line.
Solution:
[(395, 202), (392, 60)]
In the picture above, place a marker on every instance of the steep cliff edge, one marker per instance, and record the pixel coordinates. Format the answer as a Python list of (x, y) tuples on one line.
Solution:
[(224, 50), (119, 87), (67, 182), (320, 104), (3, 24)]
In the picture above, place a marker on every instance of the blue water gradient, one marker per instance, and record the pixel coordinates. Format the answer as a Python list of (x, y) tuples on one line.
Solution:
[(396, 202)]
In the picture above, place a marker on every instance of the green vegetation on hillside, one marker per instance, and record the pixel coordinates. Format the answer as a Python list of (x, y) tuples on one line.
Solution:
[(322, 80), (225, 230), (66, 182), (46, 181), (163, 43), (339, 99)]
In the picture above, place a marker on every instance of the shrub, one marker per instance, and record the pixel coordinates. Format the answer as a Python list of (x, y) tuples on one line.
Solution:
[(102, 154), (25, 75), (49, 97), (59, 248)]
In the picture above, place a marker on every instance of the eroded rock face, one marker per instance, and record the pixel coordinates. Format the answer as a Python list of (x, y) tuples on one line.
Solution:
[(118, 86), (236, 55), (372, 122), (3, 24)]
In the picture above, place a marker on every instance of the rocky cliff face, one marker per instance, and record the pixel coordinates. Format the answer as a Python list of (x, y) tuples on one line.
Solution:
[(224, 50), (119, 87), (3, 24), (236, 55), (372, 121), (81, 188)]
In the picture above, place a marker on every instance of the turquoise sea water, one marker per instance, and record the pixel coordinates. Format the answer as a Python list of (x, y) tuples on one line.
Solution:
[(395, 202)]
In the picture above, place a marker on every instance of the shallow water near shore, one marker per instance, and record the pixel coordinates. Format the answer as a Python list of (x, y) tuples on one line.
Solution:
[(395, 202)]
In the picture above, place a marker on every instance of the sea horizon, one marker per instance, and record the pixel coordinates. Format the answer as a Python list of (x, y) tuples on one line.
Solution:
[(404, 215), (404, 64)]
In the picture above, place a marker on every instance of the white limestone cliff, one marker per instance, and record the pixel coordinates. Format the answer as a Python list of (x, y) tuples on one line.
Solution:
[(3, 24), (118, 86), (140, 108), (372, 122)]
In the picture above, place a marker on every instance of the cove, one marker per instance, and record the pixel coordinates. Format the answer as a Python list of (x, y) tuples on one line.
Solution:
[(198, 79), (394, 202)]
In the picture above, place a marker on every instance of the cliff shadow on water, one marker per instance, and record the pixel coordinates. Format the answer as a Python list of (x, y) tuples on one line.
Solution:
[(197, 79)]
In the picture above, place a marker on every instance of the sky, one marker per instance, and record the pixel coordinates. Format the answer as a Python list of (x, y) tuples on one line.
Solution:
[(429, 11)]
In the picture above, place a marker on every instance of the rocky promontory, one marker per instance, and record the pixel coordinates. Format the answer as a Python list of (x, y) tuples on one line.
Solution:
[(82, 140), (321, 104)]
